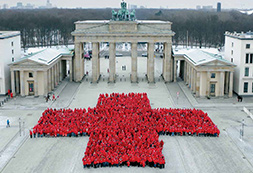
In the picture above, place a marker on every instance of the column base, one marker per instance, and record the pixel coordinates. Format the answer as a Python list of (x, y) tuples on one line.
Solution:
[(166, 81), (133, 80), (96, 80), (111, 82)]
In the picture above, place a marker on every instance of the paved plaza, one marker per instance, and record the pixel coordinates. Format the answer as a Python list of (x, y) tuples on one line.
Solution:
[(227, 153)]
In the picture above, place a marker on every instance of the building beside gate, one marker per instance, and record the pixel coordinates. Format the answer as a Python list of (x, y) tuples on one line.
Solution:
[(239, 50), (206, 74), (10, 50), (39, 73)]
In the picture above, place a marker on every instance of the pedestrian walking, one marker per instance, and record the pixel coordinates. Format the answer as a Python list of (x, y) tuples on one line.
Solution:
[(47, 97), (53, 97), (8, 123)]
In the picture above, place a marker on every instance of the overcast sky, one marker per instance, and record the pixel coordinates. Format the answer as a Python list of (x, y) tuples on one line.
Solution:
[(245, 4)]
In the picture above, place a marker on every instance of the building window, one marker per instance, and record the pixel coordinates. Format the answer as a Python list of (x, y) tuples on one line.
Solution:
[(247, 58), (252, 86), (213, 75), (12, 59), (232, 60), (12, 51), (212, 90), (232, 52), (246, 72), (30, 75), (232, 44), (12, 43), (247, 46), (251, 58), (245, 87)]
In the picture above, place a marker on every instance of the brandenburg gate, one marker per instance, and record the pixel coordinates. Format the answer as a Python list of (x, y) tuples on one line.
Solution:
[(123, 27)]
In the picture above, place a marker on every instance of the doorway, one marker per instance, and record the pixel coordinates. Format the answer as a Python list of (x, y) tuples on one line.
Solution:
[(31, 88), (212, 89)]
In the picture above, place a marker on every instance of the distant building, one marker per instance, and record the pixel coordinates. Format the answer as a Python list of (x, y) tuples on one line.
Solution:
[(239, 50), (218, 7), (10, 50), (132, 6), (19, 5), (48, 5), (5, 6), (198, 7), (208, 7), (29, 6)]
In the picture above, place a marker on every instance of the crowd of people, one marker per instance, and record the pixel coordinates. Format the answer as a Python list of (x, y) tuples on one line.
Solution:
[(123, 129)]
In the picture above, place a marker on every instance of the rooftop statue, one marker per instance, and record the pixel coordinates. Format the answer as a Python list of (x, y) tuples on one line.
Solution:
[(123, 14)]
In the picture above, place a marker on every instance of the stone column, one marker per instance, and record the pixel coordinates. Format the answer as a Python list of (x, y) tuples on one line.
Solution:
[(78, 62), (112, 61), (45, 83), (189, 73), (167, 62), (36, 88), (49, 80), (71, 71), (227, 82), (134, 54), (151, 74), (82, 61), (60, 64), (95, 52), (186, 74), (198, 84), (175, 70), (194, 81), (52, 75), (98, 62), (185, 68), (22, 83), (221, 86), (231, 85), (208, 83), (55, 75), (58, 72), (192, 77), (17, 82), (13, 89)]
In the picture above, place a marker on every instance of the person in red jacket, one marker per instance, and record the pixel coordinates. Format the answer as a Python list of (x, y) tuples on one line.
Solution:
[(31, 133)]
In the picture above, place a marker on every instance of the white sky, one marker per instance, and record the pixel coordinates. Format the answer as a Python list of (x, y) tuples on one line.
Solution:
[(245, 4)]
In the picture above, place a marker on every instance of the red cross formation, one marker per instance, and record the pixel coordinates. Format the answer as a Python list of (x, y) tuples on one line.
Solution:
[(124, 129)]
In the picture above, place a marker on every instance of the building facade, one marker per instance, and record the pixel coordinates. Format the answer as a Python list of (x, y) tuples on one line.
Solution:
[(38, 74), (206, 74), (239, 50), (10, 51)]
